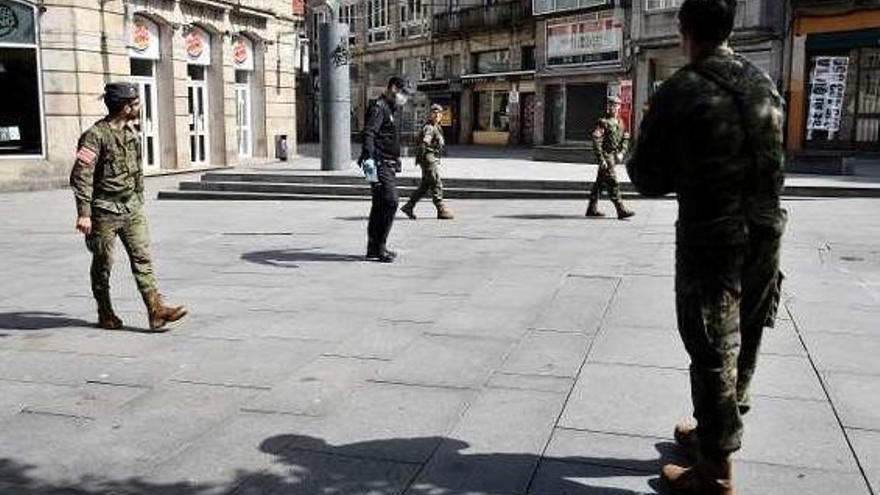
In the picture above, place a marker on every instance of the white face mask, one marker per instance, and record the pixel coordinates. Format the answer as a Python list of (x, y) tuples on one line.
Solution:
[(400, 100)]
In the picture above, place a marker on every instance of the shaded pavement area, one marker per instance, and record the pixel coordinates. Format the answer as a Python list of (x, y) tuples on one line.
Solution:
[(520, 349)]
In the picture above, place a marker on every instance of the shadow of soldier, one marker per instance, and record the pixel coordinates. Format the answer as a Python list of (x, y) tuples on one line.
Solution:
[(304, 465), (39, 320), (288, 258)]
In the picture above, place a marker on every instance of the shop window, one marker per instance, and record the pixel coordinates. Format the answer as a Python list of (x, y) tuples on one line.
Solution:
[(21, 117), (378, 28), (655, 5), (492, 61), (868, 112), (493, 111)]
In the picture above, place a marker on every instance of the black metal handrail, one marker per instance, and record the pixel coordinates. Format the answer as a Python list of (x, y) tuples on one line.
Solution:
[(482, 17)]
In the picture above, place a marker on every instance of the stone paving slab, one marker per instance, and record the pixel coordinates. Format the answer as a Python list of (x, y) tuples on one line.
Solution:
[(867, 447), (302, 341)]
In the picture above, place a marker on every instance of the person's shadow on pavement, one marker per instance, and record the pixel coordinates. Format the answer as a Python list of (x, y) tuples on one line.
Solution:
[(289, 258), (304, 465), (39, 320)]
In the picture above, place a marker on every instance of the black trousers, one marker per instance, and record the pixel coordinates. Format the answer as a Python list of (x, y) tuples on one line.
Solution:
[(384, 208)]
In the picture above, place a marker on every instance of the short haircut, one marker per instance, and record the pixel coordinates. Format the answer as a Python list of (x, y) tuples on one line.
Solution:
[(707, 21), (114, 106)]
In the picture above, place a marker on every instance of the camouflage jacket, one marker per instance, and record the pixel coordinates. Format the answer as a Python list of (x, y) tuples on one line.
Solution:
[(107, 174), (431, 143), (609, 138), (713, 135)]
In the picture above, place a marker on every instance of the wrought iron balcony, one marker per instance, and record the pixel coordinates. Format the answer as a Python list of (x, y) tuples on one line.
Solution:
[(484, 17)]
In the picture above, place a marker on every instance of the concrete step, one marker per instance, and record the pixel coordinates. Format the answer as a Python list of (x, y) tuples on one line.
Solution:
[(457, 183), (362, 190)]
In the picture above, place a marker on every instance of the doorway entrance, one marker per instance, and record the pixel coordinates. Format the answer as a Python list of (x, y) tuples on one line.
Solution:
[(243, 119), (197, 105), (143, 74)]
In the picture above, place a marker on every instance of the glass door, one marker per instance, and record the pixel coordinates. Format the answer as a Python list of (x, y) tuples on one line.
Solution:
[(243, 124), (142, 70), (197, 104), (867, 134)]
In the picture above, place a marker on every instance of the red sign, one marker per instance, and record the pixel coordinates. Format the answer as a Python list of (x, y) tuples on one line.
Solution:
[(195, 44), (239, 51), (140, 36), (298, 7)]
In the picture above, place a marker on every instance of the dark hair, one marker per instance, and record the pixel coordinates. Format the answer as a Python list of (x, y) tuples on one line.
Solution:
[(707, 21), (114, 105)]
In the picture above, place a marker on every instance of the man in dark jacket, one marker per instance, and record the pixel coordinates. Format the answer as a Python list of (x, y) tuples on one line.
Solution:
[(713, 135), (382, 147)]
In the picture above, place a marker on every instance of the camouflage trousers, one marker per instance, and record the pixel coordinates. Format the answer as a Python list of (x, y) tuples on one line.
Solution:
[(132, 230), (725, 296), (606, 178), (430, 183)]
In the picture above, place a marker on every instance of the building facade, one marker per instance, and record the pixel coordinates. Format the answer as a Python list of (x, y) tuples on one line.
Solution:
[(759, 35), (476, 59), (216, 81), (834, 86)]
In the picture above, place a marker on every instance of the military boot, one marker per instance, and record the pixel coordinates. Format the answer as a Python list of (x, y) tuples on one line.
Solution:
[(161, 315), (407, 210), (443, 213), (686, 436), (622, 211), (107, 319), (593, 208), (705, 478)]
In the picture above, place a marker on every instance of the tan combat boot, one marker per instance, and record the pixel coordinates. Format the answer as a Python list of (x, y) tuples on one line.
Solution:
[(622, 211), (443, 213), (161, 315), (407, 210), (705, 478), (686, 436), (107, 319), (593, 209)]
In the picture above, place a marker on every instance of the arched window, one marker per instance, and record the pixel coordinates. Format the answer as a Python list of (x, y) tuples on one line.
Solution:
[(21, 114)]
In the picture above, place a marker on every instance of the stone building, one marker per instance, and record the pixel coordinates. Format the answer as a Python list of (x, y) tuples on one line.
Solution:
[(475, 59), (759, 35), (216, 81), (834, 86)]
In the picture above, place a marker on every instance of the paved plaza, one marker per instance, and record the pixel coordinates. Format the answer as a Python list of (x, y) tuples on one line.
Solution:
[(520, 349)]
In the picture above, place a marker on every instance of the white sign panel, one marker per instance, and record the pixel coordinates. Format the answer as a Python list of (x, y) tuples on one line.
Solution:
[(242, 53), (143, 39), (828, 86), (590, 39), (198, 46)]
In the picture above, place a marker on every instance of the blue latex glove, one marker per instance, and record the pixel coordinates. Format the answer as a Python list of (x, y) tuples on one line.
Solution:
[(368, 166)]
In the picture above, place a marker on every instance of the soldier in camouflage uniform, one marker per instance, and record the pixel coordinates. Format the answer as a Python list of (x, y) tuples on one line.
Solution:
[(428, 158), (713, 135), (610, 141), (108, 185)]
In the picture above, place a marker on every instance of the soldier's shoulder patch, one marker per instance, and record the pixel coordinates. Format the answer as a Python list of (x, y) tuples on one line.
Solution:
[(86, 155)]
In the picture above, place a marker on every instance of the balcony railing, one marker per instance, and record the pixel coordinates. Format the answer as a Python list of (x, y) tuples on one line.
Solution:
[(482, 17)]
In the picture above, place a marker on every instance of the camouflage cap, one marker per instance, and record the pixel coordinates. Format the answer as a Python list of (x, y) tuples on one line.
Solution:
[(436, 107), (120, 91), (614, 99)]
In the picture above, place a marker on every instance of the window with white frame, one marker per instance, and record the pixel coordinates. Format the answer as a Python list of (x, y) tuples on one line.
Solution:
[(348, 15), (654, 5), (413, 18), (378, 28)]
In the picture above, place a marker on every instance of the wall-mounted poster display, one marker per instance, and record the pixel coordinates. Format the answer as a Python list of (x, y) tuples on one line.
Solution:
[(827, 90), (143, 39), (243, 53), (588, 39), (198, 46)]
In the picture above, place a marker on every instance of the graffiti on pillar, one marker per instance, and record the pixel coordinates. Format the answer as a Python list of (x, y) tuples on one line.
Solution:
[(339, 56)]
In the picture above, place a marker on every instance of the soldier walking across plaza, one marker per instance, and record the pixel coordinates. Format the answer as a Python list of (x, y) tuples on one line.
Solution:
[(431, 144), (610, 141), (382, 150), (713, 135), (108, 184)]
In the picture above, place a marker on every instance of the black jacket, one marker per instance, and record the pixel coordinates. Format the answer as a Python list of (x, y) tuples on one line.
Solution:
[(381, 139)]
